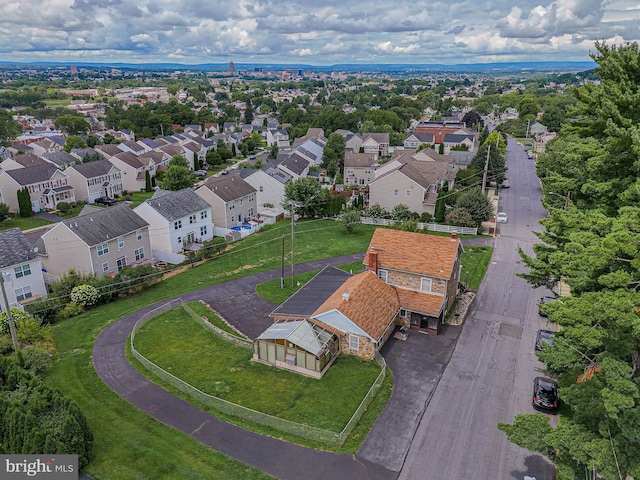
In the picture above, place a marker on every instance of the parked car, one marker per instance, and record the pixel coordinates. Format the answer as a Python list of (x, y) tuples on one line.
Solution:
[(544, 337), (542, 301), (545, 394), (502, 217), (105, 201), (505, 183)]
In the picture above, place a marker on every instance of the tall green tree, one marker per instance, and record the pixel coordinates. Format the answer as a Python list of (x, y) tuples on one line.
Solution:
[(303, 195), (24, 203), (72, 125), (9, 128), (477, 204), (147, 181), (74, 141)]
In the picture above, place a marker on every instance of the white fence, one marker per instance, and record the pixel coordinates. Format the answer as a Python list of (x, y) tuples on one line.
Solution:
[(434, 227)]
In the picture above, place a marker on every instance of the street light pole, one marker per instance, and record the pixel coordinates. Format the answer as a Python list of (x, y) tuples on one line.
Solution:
[(12, 328)]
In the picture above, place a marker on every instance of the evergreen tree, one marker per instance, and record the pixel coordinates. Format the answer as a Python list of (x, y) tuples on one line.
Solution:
[(24, 203), (147, 181)]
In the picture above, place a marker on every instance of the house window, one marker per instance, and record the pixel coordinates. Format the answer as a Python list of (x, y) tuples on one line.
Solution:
[(22, 293), (354, 342), (232, 205), (395, 192), (192, 219), (102, 249), (138, 235), (22, 270), (425, 284), (403, 313), (408, 193), (203, 231), (105, 267), (261, 188), (203, 215), (179, 239), (120, 242), (250, 212), (382, 274), (362, 181), (251, 198), (121, 263), (177, 225), (139, 253), (241, 201)]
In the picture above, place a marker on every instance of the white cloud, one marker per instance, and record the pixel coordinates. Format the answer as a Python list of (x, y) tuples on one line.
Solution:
[(400, 31)]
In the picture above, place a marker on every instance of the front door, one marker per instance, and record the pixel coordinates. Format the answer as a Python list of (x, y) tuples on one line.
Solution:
[(190, 238), (121, 263)]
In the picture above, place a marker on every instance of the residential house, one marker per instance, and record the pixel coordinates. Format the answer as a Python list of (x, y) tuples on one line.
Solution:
[(414, 183), (312, 150), (60, 159), (95, 179), (361, 312), (424, 269), (295, 165), (440, 129), (133, 170), (108, 150), (459, 140), (414, 140), (233, 200), (376, 143), (23, 160), (211, 128), (353, 142), (359, 168), (178, 221), (269, 183), (137, 148), (537, 128), (278, 137), (47, 186), (21, 269), (101, 242), (48, 144)]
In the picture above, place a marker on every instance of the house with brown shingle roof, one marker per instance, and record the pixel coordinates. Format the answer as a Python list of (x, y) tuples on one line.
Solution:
[(361, 312), (424, 269), (359, 168)]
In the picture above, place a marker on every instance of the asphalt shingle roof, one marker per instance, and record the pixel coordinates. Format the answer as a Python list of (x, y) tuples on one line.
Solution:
[(94, 169), (175, 205), (30, 175), (107, 224), (14, 248), (229, 187)]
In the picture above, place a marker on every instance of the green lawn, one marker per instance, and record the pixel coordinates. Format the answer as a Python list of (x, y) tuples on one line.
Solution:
[(23, 223), (213, 319), (139, 197), (177, 344), (64, 102), (128, 443), (475, 261)]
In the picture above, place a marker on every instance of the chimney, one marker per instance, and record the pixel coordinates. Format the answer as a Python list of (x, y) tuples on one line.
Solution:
[(454, 235), (372, 263)]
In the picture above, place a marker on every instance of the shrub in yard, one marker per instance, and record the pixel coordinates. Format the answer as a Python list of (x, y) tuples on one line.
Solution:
[(45, 310), (85, 295), (71, 309), (18, 316), (64, 207), (62, 288), (459, 216), (37, 358)]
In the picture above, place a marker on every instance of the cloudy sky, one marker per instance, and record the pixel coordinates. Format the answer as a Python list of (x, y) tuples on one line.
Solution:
[(312, 31)]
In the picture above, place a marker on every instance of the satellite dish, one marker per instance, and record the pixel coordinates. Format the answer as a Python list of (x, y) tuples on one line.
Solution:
[(35, 249)]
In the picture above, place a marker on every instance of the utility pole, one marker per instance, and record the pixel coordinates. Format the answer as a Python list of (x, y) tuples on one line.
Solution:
[(12, 328), (293, 234), (282, 266), (486, 168)]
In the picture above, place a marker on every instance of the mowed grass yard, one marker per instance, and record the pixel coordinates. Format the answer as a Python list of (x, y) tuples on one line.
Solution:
[(177, 344), (128, 443)]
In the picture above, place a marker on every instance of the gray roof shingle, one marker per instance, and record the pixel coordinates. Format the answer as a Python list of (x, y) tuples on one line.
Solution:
[(229, 187), (94, 169), (14, 248), (31, 175), (175, 205), (109, 223)]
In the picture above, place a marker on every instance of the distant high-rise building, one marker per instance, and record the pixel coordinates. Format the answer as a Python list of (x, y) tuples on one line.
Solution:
[(232, 67), (73, 69)]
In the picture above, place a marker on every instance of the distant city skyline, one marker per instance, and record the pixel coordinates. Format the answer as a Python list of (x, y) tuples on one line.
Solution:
[(312, 33)]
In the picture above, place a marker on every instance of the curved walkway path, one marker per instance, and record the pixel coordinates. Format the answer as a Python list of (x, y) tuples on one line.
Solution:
[(417, 365), (275, 457)]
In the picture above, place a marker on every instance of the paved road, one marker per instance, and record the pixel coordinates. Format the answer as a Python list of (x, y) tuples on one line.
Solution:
[(489, 378), (280, 459)]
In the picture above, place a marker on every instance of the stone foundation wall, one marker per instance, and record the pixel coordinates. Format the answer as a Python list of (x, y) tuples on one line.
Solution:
[(412, 281)]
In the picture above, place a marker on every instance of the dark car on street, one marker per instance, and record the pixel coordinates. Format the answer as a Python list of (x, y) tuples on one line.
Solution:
[(545, 394), (544, 337), (542, 301), (105, 201)]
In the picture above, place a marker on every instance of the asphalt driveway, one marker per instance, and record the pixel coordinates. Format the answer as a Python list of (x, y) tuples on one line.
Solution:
[(416, 363)]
